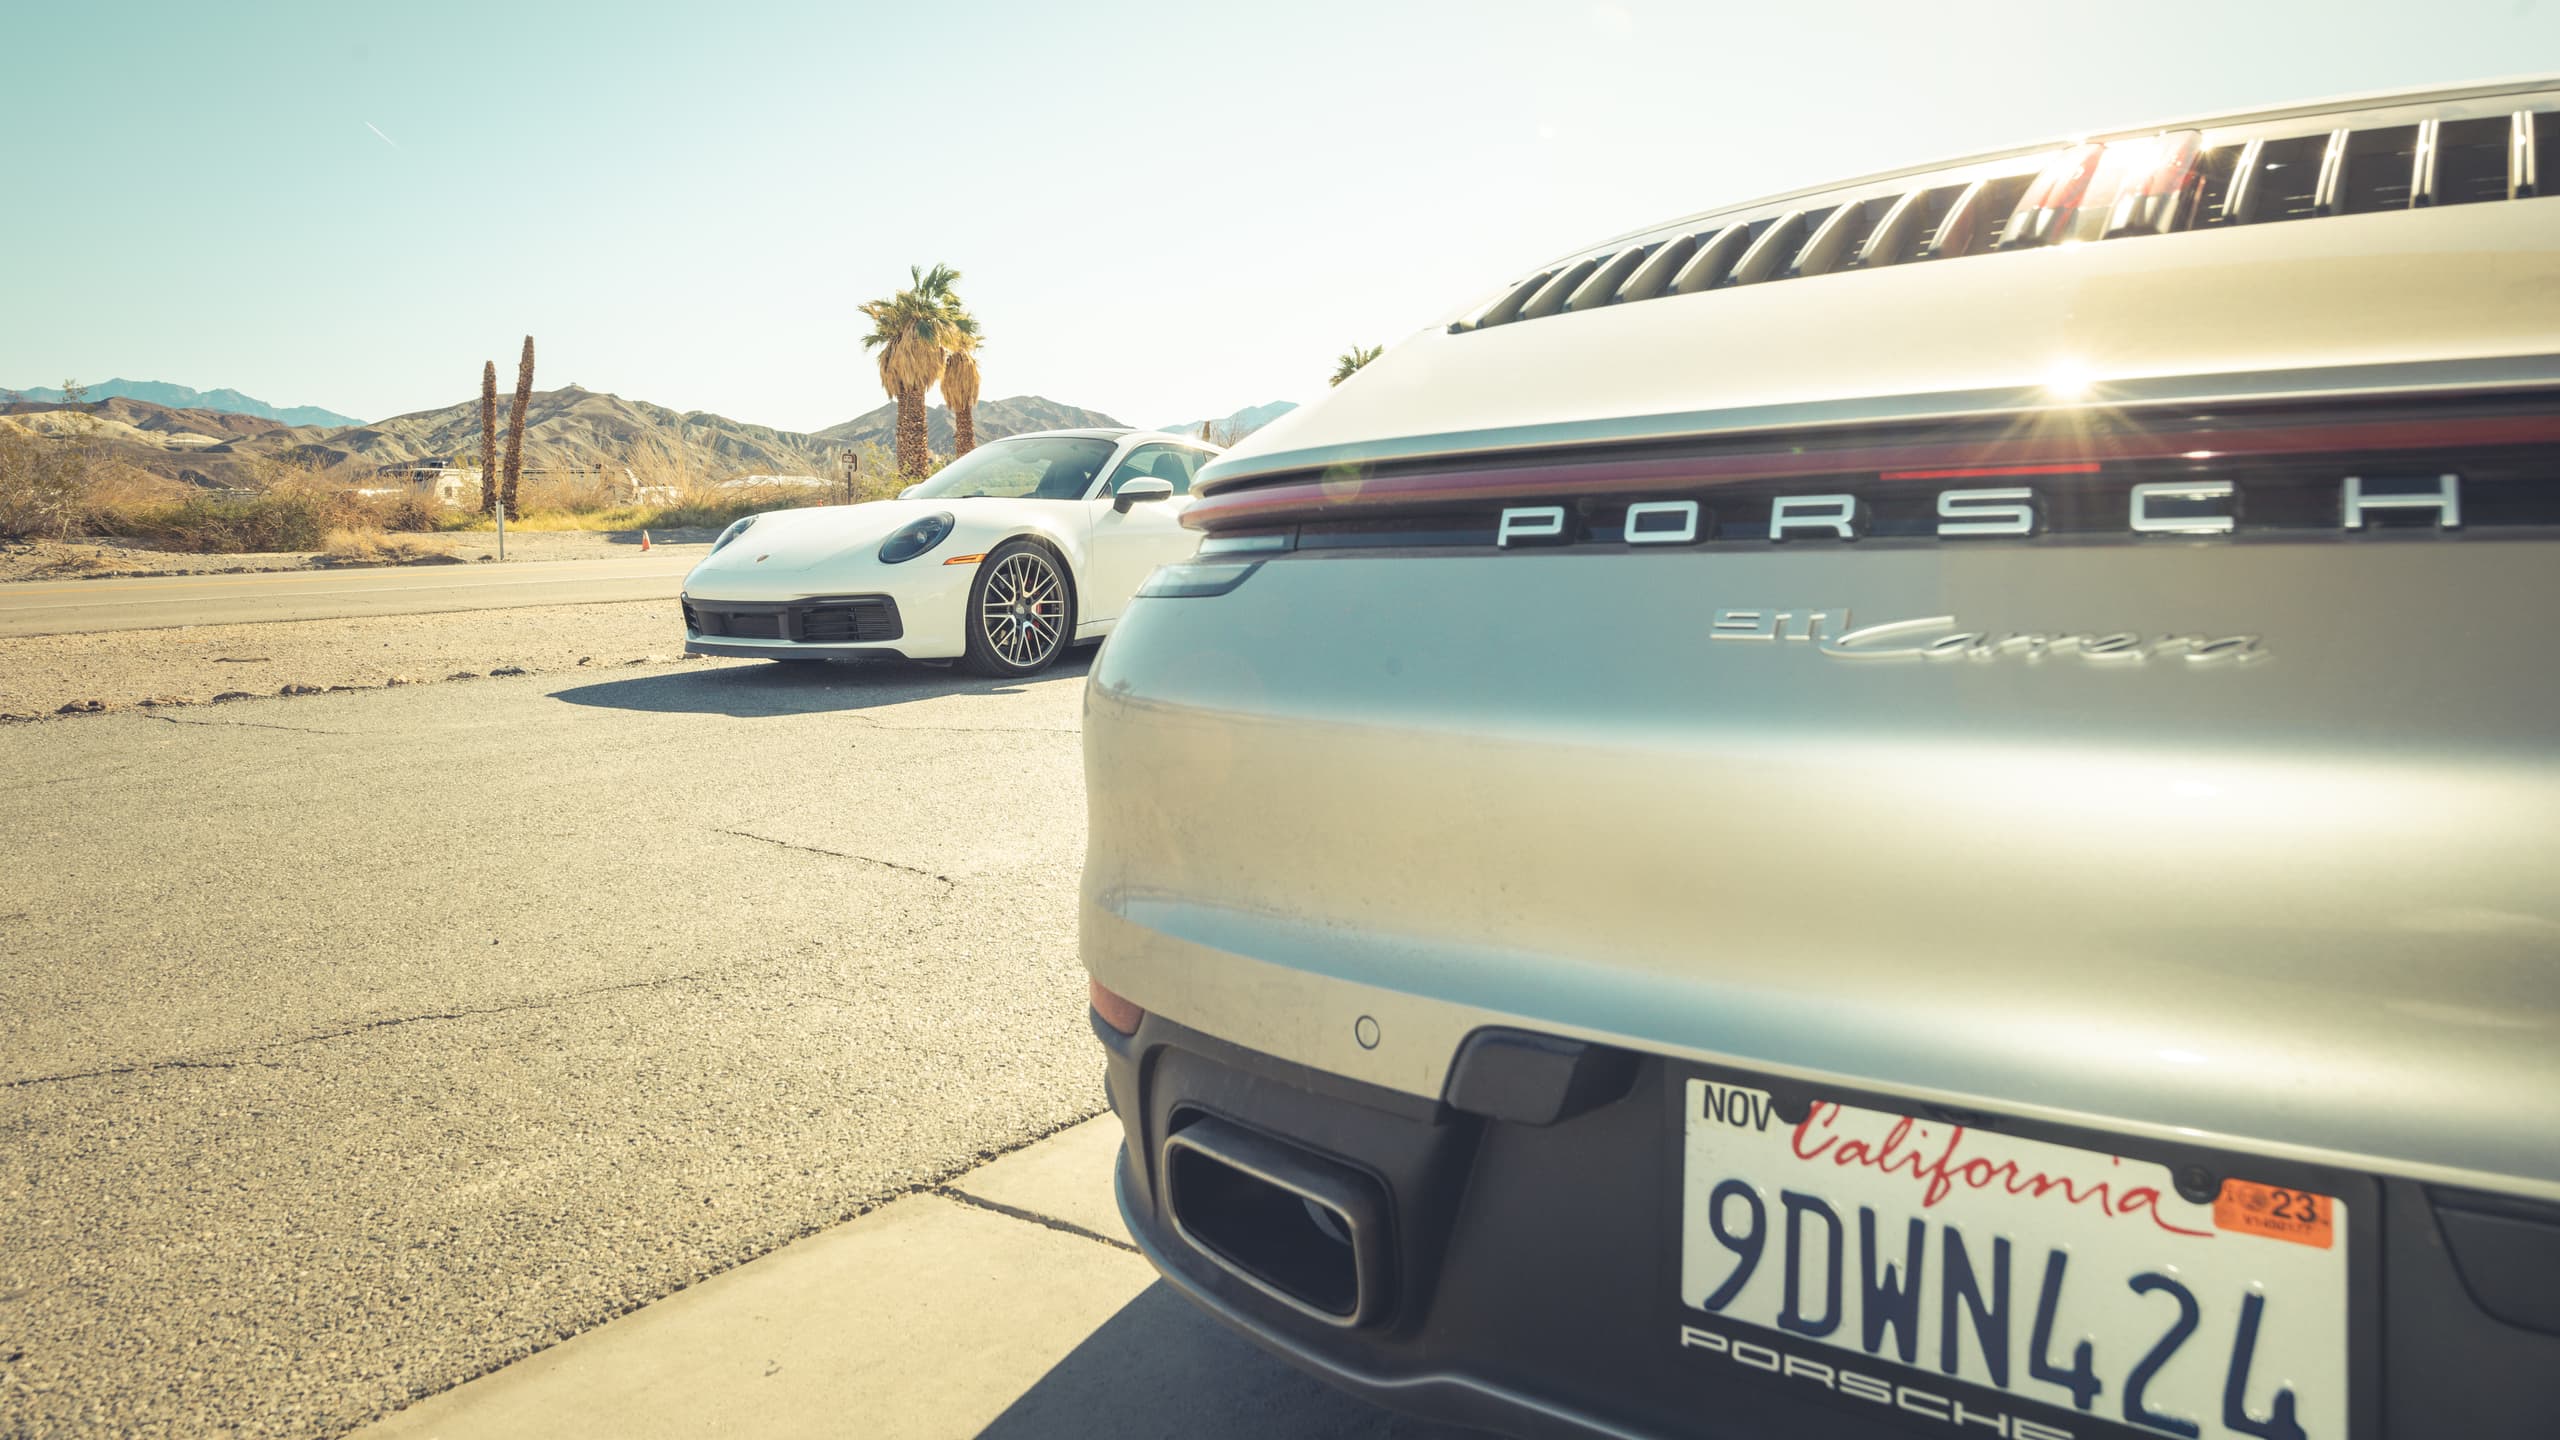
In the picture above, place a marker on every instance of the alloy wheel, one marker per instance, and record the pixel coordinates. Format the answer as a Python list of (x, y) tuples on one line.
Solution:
[(1023, 610)]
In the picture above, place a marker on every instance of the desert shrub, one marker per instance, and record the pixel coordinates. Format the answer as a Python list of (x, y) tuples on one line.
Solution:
[(411, 513), (272, 473), (234, 524), (44, 485), (291, 506)]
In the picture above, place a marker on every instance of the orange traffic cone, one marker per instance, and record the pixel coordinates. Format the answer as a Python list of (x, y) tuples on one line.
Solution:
[(644, 540)]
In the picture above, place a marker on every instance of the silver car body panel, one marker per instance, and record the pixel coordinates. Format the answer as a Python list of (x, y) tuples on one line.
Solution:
[(2101, 693), (2304, 906)]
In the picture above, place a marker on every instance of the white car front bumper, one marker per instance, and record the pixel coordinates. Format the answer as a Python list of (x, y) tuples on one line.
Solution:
[(730, 614)]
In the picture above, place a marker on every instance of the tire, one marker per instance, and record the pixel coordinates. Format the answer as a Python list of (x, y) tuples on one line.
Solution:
[(1022, 611)]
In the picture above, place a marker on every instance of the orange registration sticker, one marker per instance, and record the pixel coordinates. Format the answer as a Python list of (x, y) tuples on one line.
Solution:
[(2275, 1212)]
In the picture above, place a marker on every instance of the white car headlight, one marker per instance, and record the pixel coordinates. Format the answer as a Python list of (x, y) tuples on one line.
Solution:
[(916, 537)]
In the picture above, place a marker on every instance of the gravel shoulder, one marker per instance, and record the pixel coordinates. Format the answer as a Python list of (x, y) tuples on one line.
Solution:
[(195, 665), (116, 559)]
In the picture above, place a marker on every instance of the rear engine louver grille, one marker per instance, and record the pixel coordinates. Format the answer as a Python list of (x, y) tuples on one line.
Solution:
[(2150, 185)]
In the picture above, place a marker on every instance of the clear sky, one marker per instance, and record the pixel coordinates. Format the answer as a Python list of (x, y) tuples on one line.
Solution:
[(1161, 211)]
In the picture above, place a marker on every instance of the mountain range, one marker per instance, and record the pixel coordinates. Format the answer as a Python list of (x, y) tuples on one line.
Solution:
[(183, 397), (203, 447), (996, 419), (570, 428), (1228, 429)]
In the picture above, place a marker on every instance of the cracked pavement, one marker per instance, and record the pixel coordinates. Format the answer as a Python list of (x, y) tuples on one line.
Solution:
[(398, 1034)]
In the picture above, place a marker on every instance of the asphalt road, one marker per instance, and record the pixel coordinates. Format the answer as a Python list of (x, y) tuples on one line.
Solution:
[(57, 607), (358, 1044)]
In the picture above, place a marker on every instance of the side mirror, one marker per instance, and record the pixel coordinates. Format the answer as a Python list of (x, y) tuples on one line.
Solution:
[(1145, 487)]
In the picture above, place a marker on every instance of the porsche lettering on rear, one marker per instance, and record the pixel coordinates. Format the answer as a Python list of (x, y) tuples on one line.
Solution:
[(1943, 637), (2198, 506)]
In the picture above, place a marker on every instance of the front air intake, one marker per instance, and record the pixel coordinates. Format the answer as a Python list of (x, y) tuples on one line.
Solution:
[(1304, 1230)]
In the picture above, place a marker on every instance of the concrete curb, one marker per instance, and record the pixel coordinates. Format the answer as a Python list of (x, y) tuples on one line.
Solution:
[(1006, 1304)]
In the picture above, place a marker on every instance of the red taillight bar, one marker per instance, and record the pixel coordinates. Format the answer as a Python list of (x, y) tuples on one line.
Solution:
[(2081, 451), (1976, 472)]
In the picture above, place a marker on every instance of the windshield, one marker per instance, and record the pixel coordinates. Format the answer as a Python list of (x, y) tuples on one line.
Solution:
[(1053, 467)]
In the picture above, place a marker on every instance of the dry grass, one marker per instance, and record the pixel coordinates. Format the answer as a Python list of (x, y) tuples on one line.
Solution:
[(699, 507), (658, 487), (570, 494), (288, 507), (226, 525), (376, 547)]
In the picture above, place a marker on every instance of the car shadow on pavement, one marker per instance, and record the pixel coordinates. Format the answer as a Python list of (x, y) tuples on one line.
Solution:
[(759, 691), (1161, 1368)]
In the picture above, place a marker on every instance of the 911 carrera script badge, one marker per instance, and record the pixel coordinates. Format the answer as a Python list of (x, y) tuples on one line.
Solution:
[(1941, 637)]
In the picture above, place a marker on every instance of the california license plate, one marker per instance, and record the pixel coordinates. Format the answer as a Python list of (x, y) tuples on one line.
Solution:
[(1983, 1285)]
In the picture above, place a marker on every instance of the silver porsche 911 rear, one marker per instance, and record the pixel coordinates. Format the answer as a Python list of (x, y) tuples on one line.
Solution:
[(1923, 808)]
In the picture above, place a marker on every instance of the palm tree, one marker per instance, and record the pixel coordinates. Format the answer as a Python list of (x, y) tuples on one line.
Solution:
[(912, 329), (1349, 362), (960, 382), (515, 432), (488, 437)]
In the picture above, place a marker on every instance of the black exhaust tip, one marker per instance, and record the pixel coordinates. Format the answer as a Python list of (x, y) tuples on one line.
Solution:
[(1307, 1231)]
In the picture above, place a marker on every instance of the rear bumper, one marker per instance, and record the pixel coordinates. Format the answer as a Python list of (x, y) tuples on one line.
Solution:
[(1524, 1273)]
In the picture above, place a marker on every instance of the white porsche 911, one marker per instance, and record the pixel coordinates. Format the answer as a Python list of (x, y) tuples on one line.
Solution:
[(1012, 553)]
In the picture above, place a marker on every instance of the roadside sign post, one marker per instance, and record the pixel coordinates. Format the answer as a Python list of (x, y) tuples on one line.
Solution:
[(502, 528)]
